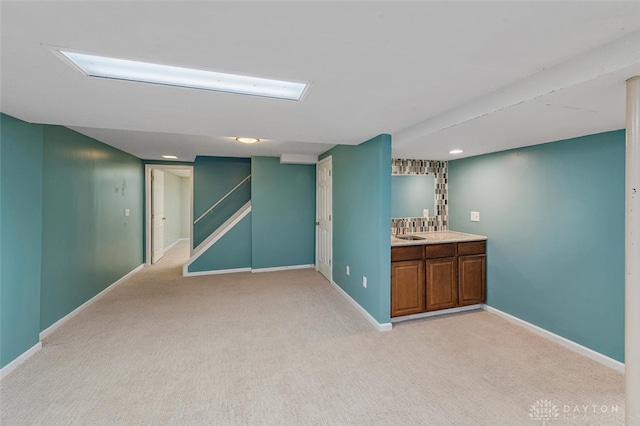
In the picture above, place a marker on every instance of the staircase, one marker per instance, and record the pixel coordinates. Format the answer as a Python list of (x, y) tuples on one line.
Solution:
[(220, 231)]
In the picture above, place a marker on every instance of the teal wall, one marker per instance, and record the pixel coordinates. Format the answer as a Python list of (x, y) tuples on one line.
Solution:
[(361, 218), (282, 213), (87, 242), (232, 251), (185, 207), (554, 216), (21, 230), (213, 178), (410, 194)]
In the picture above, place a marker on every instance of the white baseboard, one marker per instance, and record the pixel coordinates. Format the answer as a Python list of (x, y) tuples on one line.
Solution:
[(379, 326), (185, 273), (562, 341), (22, 358), (233, 271), (436, 313), (174, 243), (44, 333), (282, 268)]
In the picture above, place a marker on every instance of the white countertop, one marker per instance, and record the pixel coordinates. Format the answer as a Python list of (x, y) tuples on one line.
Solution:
[(437, 237)]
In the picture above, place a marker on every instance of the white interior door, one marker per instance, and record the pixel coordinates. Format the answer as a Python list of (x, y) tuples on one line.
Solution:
[(157, 215), (324, 228)]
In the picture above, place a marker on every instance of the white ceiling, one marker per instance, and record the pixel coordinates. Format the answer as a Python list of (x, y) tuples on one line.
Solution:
[(482, 76)]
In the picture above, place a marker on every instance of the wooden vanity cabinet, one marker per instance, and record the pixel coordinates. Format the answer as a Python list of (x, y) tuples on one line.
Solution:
[(407, 280), (441, 276), (431, 277), (472, 263)]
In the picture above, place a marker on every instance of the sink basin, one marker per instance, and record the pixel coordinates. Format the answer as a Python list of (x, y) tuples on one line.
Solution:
[(409, 237)]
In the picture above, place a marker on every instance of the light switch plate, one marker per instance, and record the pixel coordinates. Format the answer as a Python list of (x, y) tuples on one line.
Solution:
[(475, 216), (348, 270), (364, 282), (127, 212), (425, 212)]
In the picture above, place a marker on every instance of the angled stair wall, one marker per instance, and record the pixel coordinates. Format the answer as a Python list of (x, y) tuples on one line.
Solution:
[(213, 178), (269, 222), (225, 250)]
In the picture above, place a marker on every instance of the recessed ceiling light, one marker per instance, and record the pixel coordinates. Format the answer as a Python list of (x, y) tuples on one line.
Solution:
[(248, 140), (456, 151), (145, 72), (170, 157)]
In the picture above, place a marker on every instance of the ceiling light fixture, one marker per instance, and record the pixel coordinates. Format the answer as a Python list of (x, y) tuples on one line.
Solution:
[(170, 157), (456, 151), (248, 140), (145, 72)]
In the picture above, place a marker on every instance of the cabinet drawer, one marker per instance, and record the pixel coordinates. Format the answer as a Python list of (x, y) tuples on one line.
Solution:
[(440, 250), (406, 253), (475, 247)]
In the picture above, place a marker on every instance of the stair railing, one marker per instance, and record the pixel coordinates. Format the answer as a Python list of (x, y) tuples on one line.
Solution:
[(217, 203)]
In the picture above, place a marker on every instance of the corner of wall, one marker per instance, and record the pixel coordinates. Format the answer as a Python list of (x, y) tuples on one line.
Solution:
[(21, 213), (361, 217)]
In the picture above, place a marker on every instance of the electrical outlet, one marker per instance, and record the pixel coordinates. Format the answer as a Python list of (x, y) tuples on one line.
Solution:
[(364, 282), (475, 216), (425, 212), (347, 269)]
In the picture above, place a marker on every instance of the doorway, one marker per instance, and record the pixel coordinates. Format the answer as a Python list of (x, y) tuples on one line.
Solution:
[(168, 207), (324, 226)]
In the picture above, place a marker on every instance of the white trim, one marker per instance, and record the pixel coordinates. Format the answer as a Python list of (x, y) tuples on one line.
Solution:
[(147, 203), (215, 236), (175, 242), (379, 326), (436, 313), (20, 359), (221, 231), (282, 268), (237, 270), (298, 159), (218, 272), (327, 159), (562, 341), (47, 331), (632, 253)]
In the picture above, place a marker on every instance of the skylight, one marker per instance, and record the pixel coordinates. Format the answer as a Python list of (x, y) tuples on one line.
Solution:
[(145, 72)]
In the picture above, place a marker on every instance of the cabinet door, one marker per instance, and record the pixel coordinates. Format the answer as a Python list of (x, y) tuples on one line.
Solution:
[(407, 288), (442, 288), (471, 272)]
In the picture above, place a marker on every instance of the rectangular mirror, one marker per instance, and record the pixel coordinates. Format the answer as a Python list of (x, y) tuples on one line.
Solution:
[(417, 185), (411, 194)]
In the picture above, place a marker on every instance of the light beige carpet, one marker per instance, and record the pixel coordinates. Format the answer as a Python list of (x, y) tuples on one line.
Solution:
[(285, 348)]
